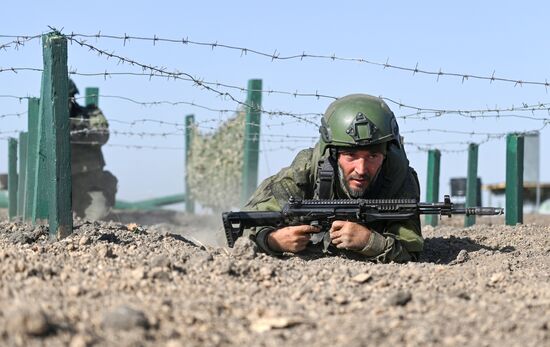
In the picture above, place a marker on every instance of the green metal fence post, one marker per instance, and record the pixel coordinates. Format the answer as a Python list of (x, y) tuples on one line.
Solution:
[(251, 145), (12, 178), (40, 194), (21, 182), (54, 97), (92, 96), (432, 190), (471, 183), (189, 126), (32, 153), (514, 179)]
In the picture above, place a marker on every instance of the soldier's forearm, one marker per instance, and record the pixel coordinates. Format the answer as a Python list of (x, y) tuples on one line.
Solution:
[(385, 249)]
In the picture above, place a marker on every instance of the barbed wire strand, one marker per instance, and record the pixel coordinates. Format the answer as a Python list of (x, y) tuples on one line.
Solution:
[(175, 75), (18, 42), (271, 137), (8, 115), (299, 117), (17, 69), (475, 133), (205, 84), (128, 146), (419, 110), (277, 56), (132, 146)]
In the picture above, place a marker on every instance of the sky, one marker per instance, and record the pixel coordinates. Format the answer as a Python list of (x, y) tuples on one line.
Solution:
[(503, 39)]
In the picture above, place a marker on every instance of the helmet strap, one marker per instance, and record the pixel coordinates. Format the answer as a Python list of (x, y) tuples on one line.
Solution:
[(325, 176)]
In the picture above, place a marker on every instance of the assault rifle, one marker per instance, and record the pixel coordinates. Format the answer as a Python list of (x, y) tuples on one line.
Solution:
[(323, 212)]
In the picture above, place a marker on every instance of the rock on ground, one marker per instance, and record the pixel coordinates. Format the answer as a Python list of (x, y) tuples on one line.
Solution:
[(113, 284)]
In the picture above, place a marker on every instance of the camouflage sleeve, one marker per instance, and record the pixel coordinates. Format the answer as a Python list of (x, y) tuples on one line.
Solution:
[(398, 241), (92, 129), (273, 193)]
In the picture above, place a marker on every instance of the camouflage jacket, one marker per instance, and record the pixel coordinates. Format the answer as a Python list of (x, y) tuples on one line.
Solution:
[(398, 241), (89, 131)]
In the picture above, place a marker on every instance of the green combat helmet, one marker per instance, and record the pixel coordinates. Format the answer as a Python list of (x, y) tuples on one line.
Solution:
[(358, 120)]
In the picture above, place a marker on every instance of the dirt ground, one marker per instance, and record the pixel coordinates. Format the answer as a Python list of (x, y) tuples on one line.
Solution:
[(160, 283)]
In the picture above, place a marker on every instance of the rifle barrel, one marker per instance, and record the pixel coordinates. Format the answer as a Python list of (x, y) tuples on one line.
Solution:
[(479, 211)]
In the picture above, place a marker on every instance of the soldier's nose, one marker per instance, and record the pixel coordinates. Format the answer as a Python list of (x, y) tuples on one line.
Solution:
[(361, 166)]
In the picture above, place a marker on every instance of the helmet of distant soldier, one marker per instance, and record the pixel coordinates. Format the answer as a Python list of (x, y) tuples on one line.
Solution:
[(73, 90), (358, 120)]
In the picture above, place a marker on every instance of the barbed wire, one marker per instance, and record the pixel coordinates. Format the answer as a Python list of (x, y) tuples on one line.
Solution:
[(285, 138), (424, 149), (8, 115), (451, 143), (19, 98), (18, 42), (181, 130), (165, 74), (299, 138), (198, 124), (161, 72), (277, 56), (21, 39), (191, 103), (284, 148), (525, 107), (128, 146), (181, 148), (419, 110), (282, 138), (475, 133), (470, 116), (472, 113), (263, 124), (495, 112), (180, 76), (175, 75), (17, 69), (123, 133), (266, 135), (145, 120)]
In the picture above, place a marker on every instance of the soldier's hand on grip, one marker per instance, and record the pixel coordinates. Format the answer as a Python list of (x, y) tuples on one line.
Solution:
[(349, 235), (291, 239)]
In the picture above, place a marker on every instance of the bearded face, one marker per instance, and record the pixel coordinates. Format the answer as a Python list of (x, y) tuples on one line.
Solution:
[(357, 169)]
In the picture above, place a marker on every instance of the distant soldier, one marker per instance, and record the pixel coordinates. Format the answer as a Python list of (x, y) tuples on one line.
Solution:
[(94, 189)]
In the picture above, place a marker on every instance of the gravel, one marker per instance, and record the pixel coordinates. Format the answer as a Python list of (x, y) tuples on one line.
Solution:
[(127, 283)]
